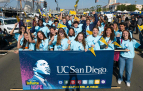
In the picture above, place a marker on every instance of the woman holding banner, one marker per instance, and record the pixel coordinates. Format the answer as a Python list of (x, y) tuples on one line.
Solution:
[(62, 41), (108, 36), (79, 44), (126, 58), (25, 44), (41, 41), (93, 40)]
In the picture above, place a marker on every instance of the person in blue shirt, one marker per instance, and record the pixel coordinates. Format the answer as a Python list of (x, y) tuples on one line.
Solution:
[(25, 44), (62, 41), (41, 42), (108, 35), (22, 29), (93, 40), (52, 35), (55, 24), (126, 57), (115, 26), (64, 22), (101, 28), (71, 34), (77, 28), (47, 22), (88, 26), (42, 28), (79, 44), (122, 28)]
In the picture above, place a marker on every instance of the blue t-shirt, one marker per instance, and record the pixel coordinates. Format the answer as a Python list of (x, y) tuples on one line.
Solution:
[(71, 38), (16, 36), (130, 45), (77, 30), (110, 46), (49, 23), (101, 29), (63, 46), (77, 46), (31, 46), (93, 41), (43, 45), (45, 30)]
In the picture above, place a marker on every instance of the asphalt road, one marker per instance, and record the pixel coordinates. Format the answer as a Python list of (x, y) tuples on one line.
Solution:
[(10, 76)]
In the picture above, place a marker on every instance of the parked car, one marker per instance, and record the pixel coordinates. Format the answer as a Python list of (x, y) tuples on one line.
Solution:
[(7, 24)]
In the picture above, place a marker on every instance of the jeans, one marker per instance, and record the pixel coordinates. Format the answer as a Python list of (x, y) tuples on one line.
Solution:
[(126, 63)]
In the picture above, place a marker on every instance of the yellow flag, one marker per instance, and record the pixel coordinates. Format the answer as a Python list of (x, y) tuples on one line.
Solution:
[(25, 14), (103, 40), (92, 50), (115, 43), (84, 12), (44, 15), (28, 27), (50, 15), (76, 18), (89, 32), (18, 19), (75, 5), (61, 10), (39, 11), (140, 28), (28, 20), (72, 13), (61, 26)]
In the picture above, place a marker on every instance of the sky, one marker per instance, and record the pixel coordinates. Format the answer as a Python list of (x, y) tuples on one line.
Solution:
[(69, 4)]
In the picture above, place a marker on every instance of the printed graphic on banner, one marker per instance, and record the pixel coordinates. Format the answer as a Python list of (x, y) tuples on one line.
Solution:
[(66, 70)]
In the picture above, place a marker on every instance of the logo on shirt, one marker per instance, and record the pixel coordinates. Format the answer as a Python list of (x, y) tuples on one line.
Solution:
[(79, 48), (60, 47), (126, 46), (94, 42)]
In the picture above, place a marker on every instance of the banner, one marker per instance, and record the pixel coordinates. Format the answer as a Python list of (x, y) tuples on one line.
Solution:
[(66, 69)]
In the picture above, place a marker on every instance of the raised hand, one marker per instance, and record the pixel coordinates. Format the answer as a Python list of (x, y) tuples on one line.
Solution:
[(15, 25), (20, 37), (69, 42)]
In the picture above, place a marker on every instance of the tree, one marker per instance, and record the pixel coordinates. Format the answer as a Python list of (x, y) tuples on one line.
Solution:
[(98, 8), (131, 7), (121, 7)]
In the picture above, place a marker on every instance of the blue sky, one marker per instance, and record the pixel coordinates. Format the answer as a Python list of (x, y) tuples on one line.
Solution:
[(69, 4)]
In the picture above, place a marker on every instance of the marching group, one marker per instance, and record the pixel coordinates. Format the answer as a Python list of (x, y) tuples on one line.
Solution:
[(73, 33)]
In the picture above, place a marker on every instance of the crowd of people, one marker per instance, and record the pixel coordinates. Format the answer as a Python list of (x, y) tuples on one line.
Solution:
[(46, 35)]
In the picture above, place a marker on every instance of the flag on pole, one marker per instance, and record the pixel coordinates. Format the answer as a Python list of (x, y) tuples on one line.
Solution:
[(25, 14), (103, 40), (75, 5), (115, 43), (61, 10), (72, 13), (61, 26), (89, 32), (140, 28), (39, 11), (92, 50), (18, 19)]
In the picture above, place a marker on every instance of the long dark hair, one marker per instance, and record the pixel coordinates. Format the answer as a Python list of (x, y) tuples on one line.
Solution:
[(59, 37), (129, 36), (83, 41), (112, 34), (25, 41), (73, 32), (39, 40), (20, 29)]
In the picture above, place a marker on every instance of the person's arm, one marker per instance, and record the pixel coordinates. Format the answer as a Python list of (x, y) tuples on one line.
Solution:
[(69, 43), (18, 44), (52, 39), (30, 39), (11, 32), (102, 19), (96, 18)]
